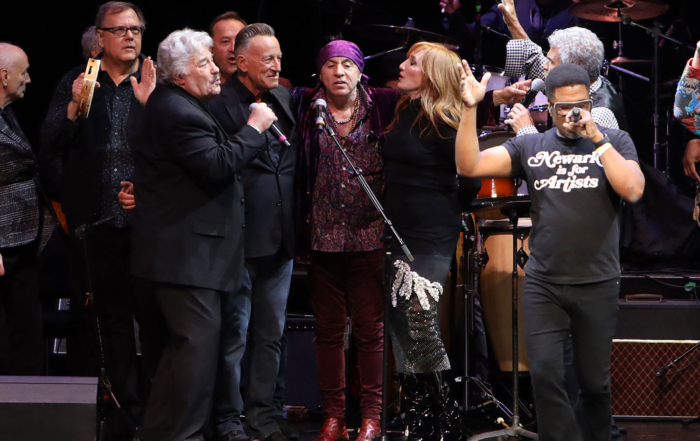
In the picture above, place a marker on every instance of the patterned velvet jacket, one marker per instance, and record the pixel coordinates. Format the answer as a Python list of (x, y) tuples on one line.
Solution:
[(24, 212), (307, 164)]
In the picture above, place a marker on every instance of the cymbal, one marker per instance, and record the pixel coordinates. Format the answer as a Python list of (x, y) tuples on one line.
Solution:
[(405, 35), (606, 10), (625, 60)]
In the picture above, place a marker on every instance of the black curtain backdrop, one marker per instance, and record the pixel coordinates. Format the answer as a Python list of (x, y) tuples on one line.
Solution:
[(50, 34)]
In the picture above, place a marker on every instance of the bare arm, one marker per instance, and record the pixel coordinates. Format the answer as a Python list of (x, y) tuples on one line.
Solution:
[(507, 8), (494, 162)]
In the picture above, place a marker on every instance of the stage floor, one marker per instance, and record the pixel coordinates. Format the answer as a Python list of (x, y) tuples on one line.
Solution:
[(636, 431)]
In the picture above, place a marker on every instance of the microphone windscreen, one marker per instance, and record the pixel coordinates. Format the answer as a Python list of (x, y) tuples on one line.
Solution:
[(252, 106), (320, 103), (538, 85)]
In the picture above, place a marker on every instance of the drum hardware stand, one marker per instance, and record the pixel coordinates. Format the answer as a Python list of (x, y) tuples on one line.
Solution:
[(387, 274), (608, 65), (105, 390), (515, 429), (474, 261), (655, 32)]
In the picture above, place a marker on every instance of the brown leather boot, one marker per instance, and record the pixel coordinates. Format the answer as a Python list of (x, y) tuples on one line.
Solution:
[(333, 430), (369, 430)]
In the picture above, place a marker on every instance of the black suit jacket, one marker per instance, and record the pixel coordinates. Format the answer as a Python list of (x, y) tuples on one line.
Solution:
[(187, 229), (269, 188)]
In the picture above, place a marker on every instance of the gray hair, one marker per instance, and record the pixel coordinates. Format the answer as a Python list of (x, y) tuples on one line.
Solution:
[(247, 33), (176, 52), (581, 47), (90, 42)]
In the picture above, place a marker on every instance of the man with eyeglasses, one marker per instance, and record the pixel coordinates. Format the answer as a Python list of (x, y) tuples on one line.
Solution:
[(577, 174), (94, 154)]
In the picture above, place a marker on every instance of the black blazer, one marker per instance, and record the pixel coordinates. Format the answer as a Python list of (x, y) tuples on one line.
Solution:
[(186, 227), (269, 189)]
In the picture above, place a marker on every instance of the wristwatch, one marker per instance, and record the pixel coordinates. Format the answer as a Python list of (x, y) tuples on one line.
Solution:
[(603, 141)]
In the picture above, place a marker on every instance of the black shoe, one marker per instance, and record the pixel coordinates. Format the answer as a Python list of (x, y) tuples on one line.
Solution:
[(286, 428), (234, 435), (275, 436)]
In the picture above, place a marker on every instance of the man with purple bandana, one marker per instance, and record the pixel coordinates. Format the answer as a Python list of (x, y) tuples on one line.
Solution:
[(339, 231)]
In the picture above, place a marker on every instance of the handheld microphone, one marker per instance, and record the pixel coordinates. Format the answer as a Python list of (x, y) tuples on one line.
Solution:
[(537, 87), (575, 114), (320, 106), (274, 129)]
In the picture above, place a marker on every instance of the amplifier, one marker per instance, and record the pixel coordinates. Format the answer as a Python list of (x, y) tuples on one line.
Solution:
[(48, 408), (639, 391)]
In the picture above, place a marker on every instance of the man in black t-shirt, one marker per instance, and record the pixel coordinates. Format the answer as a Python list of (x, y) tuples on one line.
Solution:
[(577, 175)]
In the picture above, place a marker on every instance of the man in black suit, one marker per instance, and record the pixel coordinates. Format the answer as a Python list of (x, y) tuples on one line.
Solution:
[(261, 300), (25, 224), (188, 233)]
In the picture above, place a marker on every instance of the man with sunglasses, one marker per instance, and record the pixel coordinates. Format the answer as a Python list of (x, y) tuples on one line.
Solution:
[(86, 159), (577, 174)]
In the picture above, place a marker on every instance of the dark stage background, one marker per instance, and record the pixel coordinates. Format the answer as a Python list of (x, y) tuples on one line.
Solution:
[(50, 34)]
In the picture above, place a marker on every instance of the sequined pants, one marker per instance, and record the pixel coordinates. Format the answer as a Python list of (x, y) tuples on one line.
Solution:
[(415, 333)]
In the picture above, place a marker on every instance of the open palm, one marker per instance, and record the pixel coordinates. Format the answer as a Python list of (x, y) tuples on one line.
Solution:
[(472, 90)]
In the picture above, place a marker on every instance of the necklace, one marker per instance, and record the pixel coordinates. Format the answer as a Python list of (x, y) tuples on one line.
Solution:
[(355, 108)]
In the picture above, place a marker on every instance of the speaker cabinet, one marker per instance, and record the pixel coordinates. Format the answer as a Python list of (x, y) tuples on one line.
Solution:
[(637, 389), (48, 408)]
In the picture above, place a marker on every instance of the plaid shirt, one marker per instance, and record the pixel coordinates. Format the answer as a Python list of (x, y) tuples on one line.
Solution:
[(524, 57)]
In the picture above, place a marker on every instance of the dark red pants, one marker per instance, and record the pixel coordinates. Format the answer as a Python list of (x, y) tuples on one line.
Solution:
[(340, 281)]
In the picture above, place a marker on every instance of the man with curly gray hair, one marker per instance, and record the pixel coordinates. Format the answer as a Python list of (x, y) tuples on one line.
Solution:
[(187, 230), (574, 45)]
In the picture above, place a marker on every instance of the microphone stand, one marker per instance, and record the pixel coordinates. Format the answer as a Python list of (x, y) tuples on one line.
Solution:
[(387, 274), (655, 32), (106, 391)]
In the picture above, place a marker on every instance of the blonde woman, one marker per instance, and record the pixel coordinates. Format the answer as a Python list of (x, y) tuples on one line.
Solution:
[(422, 200)]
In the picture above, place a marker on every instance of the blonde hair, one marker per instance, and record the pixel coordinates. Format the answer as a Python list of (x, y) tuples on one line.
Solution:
[(440, 99)]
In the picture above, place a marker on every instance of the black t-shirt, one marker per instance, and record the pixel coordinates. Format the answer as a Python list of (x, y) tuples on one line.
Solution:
[(575, 212)]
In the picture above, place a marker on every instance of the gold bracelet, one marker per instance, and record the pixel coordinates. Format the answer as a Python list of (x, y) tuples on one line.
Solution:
[(603, 148)]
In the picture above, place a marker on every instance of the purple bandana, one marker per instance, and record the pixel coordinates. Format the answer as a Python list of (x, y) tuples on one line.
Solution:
[(341, 48)]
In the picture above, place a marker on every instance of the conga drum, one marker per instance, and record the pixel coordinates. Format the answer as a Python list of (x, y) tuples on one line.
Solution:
[(495, 288)]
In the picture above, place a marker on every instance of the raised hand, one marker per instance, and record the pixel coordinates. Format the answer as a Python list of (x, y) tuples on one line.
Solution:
[(585, 127), (450, 6), (143, 89), (510, 17), (472, 90), (76, 90)]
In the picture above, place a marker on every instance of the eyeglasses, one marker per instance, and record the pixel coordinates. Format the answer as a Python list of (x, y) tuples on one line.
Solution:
[(120, 31), (563, 108)]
